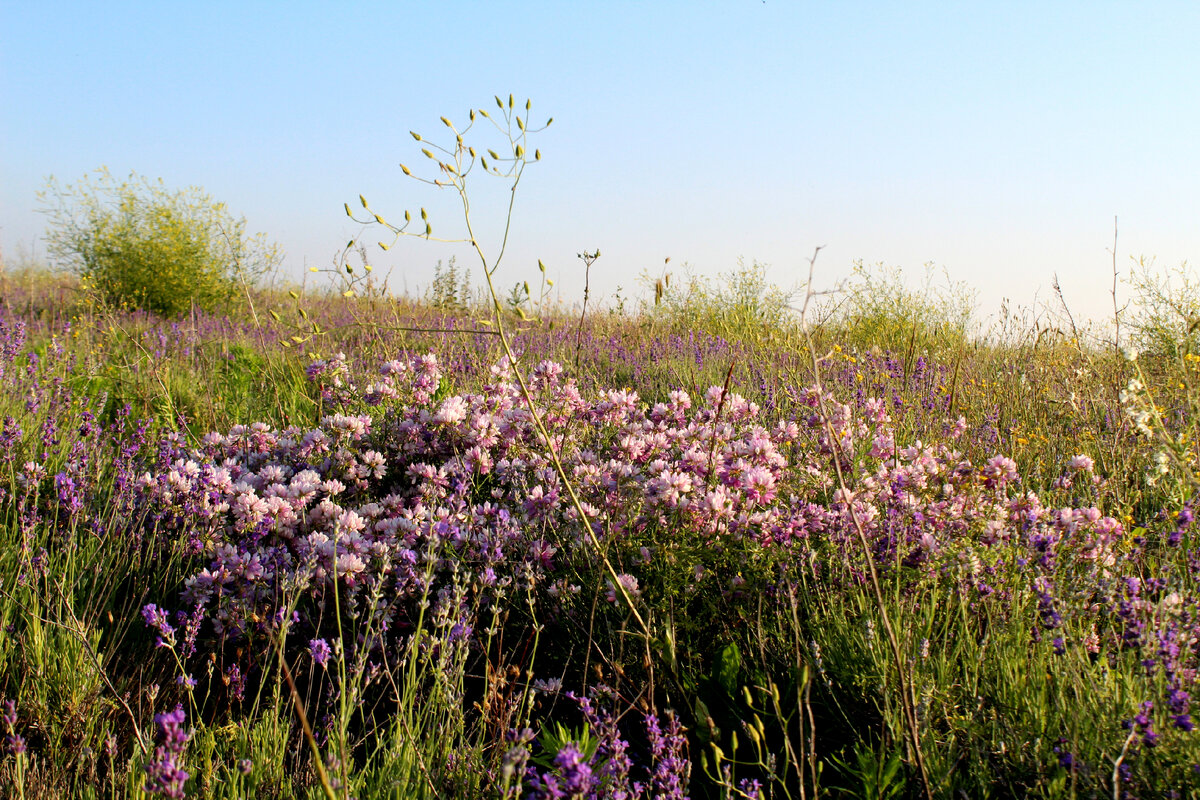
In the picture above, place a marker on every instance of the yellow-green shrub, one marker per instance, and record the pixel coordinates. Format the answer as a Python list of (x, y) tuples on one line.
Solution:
[(142, 245)]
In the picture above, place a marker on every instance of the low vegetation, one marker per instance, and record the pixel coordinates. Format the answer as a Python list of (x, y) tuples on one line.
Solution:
[(345, 544)]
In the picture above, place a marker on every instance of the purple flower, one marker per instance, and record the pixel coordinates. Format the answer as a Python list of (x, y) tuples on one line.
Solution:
[(574, 769), (320, 651), (671, 767), (236, 681), (156, 618), (751, 788), (1185, 517), (165, 774), (15, 742)]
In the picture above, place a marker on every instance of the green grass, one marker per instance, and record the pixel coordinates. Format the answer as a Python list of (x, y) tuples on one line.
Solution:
[(83, 667)]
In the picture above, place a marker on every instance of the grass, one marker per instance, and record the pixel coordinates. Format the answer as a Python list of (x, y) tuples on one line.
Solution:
[(460, 651)]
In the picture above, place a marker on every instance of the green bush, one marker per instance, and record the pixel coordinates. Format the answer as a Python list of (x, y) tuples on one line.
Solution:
[(743, 305), (141, 245), (875, 308), (1165, 309)]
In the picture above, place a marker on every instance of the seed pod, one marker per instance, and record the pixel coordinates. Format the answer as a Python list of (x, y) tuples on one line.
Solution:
[(499, 103), (428, 229), (348, 293), (520, 124), (427, 153), (382, 246), (537, 155), (415, 135), (541, 267), (380, 220), (471, 152), (424, 215), (275, 314), (349, 213), (494, 155), (549, 121), (407, 216), (313, 269), (549, 282), (472, 115), (405, 170), (510, 101), (362, 200), (520, 151), (446, 122)]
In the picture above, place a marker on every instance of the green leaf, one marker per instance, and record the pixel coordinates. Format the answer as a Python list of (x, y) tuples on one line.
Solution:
[(727, 668)]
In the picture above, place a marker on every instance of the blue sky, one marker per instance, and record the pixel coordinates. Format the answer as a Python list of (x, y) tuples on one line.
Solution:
[(995, 141)]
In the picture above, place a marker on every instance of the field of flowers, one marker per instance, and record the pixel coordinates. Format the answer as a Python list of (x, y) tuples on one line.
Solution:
[(684, 552)]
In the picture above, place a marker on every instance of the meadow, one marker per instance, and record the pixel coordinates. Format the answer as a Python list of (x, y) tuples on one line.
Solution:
[(325, 546)]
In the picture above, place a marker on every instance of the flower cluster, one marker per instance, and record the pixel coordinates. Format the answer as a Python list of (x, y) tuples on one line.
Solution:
[(164, 773), (606, 772)]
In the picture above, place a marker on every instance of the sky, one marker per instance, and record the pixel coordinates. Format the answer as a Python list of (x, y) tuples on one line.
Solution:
[(995, 142)]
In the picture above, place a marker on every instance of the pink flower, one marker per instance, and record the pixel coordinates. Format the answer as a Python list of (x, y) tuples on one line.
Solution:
[(628, 582), (1082, 463)]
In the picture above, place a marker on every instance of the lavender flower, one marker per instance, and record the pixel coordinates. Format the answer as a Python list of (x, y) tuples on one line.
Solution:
[(320, 651), (164, 773)]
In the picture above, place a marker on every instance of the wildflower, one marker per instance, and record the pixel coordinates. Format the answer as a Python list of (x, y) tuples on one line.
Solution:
[(156, 618), (628, 582), (671, 768), (236, 681), (998, 471), (1082, 463), (165, 774), (320, 651), (751, 788), (15, 742)]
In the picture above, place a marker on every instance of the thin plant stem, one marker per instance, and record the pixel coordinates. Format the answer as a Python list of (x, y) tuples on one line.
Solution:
[(906, 698)]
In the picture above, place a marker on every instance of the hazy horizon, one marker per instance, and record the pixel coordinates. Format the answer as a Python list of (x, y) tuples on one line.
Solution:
[(995, 144)]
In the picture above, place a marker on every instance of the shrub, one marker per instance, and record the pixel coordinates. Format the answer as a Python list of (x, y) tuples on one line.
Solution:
[(744, 305), (1166, 309), (876, 308), (140, 244)]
